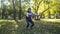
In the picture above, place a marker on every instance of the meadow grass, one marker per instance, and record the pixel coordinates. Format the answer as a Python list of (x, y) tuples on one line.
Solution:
[(41, 27)]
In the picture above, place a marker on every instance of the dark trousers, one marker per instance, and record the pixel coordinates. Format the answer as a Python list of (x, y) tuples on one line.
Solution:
[(29, 20)]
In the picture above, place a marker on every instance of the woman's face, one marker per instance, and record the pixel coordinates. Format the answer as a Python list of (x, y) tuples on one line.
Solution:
[(29, 9)]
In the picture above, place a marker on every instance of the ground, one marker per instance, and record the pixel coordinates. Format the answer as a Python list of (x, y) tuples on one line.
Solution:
[(41, 27)]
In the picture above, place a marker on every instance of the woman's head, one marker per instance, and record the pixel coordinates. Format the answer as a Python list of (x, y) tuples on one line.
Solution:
[(29, 9)]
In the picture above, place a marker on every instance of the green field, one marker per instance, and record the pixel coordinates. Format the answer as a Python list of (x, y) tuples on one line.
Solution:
[(41, 27)]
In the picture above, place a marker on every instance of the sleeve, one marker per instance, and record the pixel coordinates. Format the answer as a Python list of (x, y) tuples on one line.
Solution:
[(26, 14), (35, 14)]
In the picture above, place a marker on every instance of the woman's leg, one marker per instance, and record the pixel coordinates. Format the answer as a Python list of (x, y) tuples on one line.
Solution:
[(27, 23), (32, 23)]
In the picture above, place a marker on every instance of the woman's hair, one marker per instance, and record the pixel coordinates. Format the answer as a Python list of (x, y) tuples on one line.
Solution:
[(29, 8)]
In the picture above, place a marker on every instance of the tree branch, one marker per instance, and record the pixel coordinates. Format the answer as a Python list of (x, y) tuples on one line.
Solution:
[(49, 8), (39, 5)]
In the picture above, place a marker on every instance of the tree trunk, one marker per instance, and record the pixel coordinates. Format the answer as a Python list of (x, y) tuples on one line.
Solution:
[(20, 11), (3, 13), (14, 10)]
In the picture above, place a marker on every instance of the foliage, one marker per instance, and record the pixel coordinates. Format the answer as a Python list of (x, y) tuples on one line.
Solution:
[(47, 7)]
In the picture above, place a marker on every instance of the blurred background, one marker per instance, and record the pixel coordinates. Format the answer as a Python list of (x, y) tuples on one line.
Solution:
[(12, 16), (12, 9)]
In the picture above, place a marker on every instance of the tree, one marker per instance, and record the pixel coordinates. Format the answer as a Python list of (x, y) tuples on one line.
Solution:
[(49, 3), (14, 10), (36, 6), (20, 10), (3, 10)]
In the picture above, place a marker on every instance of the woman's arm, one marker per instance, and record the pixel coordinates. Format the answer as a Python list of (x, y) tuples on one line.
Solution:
[(35, 14)]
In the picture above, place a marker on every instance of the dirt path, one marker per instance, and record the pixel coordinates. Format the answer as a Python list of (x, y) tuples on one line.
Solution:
[(48, 20), (51, 20)]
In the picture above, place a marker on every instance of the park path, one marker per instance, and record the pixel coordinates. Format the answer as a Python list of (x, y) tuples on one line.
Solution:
[(46, 20), (51, 20)]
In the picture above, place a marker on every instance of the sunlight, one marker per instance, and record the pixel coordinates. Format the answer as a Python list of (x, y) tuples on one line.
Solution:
[(16, 26), (0, 3), (31, 3), (6, 3)]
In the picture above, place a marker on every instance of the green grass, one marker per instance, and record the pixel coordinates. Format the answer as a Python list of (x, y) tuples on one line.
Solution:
[(39, 28)]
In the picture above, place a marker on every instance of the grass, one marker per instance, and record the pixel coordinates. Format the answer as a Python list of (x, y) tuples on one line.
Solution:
[(41, 27)]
